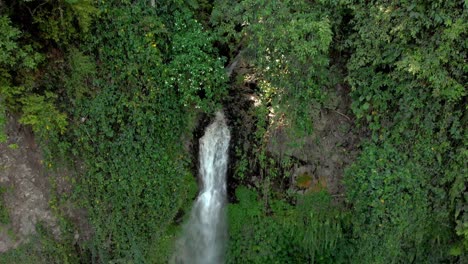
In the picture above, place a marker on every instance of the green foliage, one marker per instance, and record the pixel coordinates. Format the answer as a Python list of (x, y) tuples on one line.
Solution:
[(4, 215), (392, 217), (317, 227), (404, 59), (42, 248), (408, 74), (14, 56), (3, 136), (62, 21), (82, 69), (128, 125), (254, 237), (126, 114), (242, 165), (121, 104), (307, 233), (458, 197), (25, 91), (136, 179), (17, 61), (17, 65), (163, 248), (288, 43), (255, 156), (192, 68), (41, 114)]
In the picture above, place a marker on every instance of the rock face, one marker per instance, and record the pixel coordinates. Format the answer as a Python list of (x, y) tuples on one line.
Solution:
[(26, 188), (330, 148), (318, 159)]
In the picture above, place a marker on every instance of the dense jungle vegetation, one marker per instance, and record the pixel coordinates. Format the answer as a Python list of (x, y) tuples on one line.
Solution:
[(115, 90)]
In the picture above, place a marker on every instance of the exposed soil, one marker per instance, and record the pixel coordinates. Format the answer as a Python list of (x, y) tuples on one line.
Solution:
[(27, 187)]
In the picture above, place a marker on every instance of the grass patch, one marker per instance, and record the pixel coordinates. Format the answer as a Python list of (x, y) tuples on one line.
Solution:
[(42, 248), (4, 216)]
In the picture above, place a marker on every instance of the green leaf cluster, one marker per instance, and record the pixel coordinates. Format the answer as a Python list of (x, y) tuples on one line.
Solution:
[(407, 72), (392, 216), (310, 232), (152, 77), (62, 21), (288, 44)]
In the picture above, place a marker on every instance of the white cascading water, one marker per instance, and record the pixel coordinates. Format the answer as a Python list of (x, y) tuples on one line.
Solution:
[(204, 237)]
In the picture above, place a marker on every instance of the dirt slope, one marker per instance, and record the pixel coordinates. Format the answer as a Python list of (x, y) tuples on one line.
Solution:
[(26, 185)]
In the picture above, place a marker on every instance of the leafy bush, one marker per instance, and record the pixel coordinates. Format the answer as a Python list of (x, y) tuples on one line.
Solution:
[(18, 64), (4, 215), (3, 136), (307, 233), (407, 73), (288, 44), (81, 71), (192, 71), (318, 228), (128, 129), (63, 21), (254, 237), (42, 248), (41, 114), (392, 218)]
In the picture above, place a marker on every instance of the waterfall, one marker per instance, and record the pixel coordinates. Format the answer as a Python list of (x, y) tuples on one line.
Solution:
[(204, 237)]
